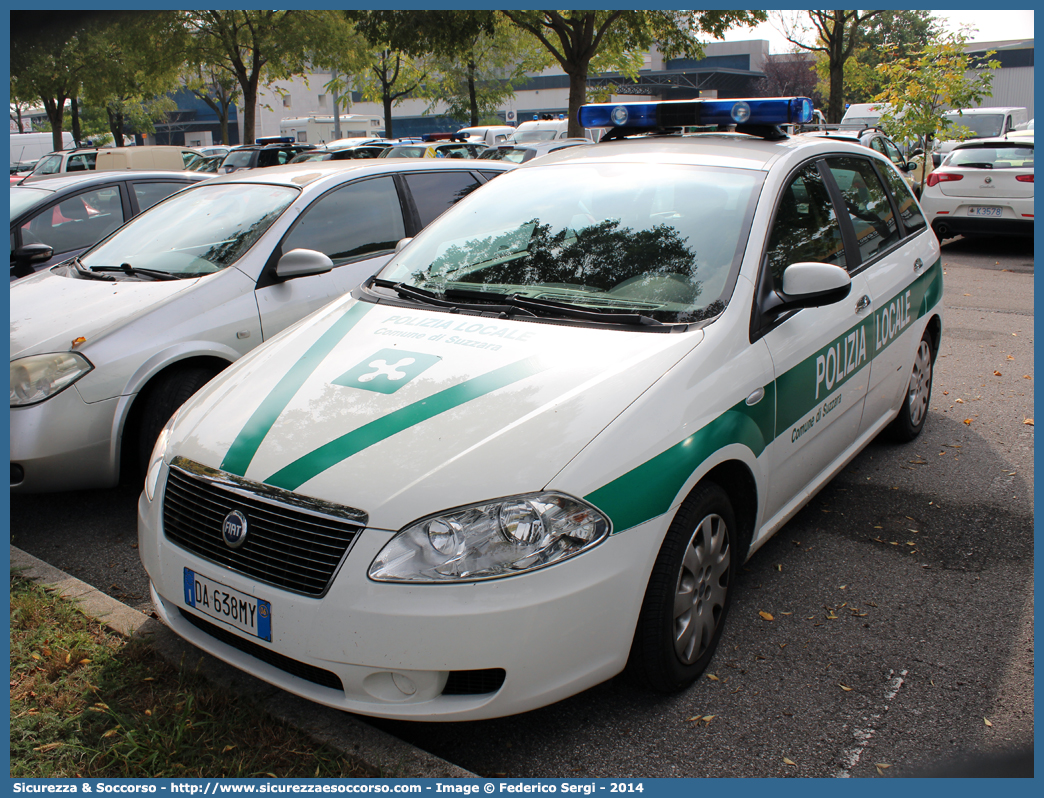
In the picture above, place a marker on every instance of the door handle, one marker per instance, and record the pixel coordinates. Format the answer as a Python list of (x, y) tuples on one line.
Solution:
[(863, 303), (918, 265)]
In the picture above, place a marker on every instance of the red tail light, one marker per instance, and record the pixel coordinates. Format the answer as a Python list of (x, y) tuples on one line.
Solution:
[(943, 177), (1024, 178)]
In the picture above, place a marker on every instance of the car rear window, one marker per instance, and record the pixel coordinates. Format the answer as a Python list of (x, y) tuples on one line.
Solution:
[(1000, 156)]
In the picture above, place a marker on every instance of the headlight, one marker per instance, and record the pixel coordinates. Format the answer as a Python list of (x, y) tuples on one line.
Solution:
[(40, 377), (159, 451), (485, 541)]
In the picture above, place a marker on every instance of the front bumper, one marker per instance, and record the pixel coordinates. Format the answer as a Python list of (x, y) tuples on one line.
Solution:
[(64, 443), (389, 650)]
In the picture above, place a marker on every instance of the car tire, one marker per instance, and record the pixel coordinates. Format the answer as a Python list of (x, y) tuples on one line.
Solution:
[(164, 396), (912, 415), (689, 593)]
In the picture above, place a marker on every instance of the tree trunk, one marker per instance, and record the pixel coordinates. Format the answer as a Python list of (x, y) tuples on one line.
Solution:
[(223, 116), (74, 108), (577, 97), (115, 125), (472, 95), (388, 134), (55, 107)]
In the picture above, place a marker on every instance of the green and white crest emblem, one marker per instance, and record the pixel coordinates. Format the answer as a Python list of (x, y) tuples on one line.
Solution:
[(386, 371)]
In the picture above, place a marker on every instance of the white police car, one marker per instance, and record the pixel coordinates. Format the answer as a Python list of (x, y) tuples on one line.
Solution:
[(536, 448)]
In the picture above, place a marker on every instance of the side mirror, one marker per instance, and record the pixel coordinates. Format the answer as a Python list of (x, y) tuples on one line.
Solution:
[(32, 255), (301, 263), (399, 247), (809, 285)]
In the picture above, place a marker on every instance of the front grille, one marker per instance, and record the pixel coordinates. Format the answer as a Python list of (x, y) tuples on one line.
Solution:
[(292, 542), (301, 670), (480, 682)]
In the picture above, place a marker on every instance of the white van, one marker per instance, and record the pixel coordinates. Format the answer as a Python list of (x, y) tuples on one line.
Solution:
[(29, 147), (154, 157), (860, 115), (490, 135), (983, 123)]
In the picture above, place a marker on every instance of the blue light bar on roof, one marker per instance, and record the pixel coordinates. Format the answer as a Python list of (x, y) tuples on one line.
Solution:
[(687, 113)]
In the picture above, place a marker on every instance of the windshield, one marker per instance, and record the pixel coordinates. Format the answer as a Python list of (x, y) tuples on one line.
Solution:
[(534, 135), (195, 232), (23, 198), (1000, 156), (404, 152), (658, 240), (239, 158), (981, 125)]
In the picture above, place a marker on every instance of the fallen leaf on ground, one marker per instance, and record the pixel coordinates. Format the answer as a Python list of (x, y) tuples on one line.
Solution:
[(988, 722), (766, 615), (845, 688), (789, 762), (967, 421), (1028, 421)]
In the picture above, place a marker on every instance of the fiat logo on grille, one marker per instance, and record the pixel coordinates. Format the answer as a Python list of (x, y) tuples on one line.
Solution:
[(234, 529)]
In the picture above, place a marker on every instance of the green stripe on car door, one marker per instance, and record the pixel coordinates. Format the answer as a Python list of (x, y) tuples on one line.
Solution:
[(330, 454), (249, 439)]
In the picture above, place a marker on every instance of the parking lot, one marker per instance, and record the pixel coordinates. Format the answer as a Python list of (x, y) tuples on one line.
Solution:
[(883, 630)]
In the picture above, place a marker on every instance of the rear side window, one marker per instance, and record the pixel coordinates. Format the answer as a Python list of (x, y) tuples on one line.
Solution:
[(353, 221), (81, 163), (434, 192), (148, 194), (909, 210), (805, 228), (868, 206)]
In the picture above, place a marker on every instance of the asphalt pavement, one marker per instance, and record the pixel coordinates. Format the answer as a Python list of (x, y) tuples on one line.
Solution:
[(901, 597)]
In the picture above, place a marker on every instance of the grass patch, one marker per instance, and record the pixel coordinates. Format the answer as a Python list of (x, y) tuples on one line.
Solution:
[(89, 703)]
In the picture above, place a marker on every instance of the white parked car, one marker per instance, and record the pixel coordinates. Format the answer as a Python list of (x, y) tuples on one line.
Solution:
[(540, 443), (106, 346), (984, 187)]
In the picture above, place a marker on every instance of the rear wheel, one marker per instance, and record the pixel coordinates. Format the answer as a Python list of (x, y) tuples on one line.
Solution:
[(163, 397), (689, 593), (910, 421)]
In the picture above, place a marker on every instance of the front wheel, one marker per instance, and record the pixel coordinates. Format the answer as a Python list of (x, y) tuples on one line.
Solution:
[(910, 421), (689, 593)]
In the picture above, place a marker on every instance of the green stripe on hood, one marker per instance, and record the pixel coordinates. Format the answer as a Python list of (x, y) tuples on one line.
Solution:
[(330, 454), (249, 439)]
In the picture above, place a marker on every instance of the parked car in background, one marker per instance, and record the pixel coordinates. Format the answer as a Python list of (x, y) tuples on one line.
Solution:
[(521, 153), (371, 150), (30, 147), (273, 151), (488, 135), (207, 164), (983, 123), (431, 149), (55, 219), (983, 187), (56, 164), (107, 345)]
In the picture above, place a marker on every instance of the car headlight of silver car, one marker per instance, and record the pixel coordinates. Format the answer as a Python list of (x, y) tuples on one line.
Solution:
[(39, 377), (495, 539)]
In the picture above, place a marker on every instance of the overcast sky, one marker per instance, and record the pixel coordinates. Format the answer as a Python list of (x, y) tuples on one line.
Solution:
[(990, 25)]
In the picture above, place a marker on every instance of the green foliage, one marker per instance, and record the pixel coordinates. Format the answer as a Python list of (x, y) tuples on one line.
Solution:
[(614, 40), (474, 84), (900, 33), (921, 86), (421, 33)]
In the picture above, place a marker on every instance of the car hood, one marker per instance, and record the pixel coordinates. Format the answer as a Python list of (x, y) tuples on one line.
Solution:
[(405, 412), (49, 310)]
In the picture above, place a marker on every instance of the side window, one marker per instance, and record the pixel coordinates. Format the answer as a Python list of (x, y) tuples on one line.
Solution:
[(353, 221), (909, 211), (148, 194), (434, 192), (79, 163), (805, 228), (867, 203), (878, 145), (76, 222), (49, 165), (892, 152)]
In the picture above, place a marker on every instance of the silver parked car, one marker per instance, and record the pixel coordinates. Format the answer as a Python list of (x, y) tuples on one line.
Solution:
[(106, 346)]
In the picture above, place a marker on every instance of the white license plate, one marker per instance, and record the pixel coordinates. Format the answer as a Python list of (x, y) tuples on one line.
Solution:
[(246, 613), (986, 211)]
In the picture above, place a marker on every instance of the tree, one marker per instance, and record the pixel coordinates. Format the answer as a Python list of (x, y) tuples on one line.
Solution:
[(268, 45), (789, 76), (901, 33), (837, 34), (217, 88), (919, 87), (390, 77), (474, 84), (577, 38), (136, 61)]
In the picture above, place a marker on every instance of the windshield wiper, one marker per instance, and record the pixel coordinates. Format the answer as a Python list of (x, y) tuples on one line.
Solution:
[(85, 272), (428, 298), (544, 307), (130, 271)]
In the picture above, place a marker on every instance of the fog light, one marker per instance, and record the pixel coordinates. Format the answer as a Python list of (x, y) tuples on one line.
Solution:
[(404, 683)]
